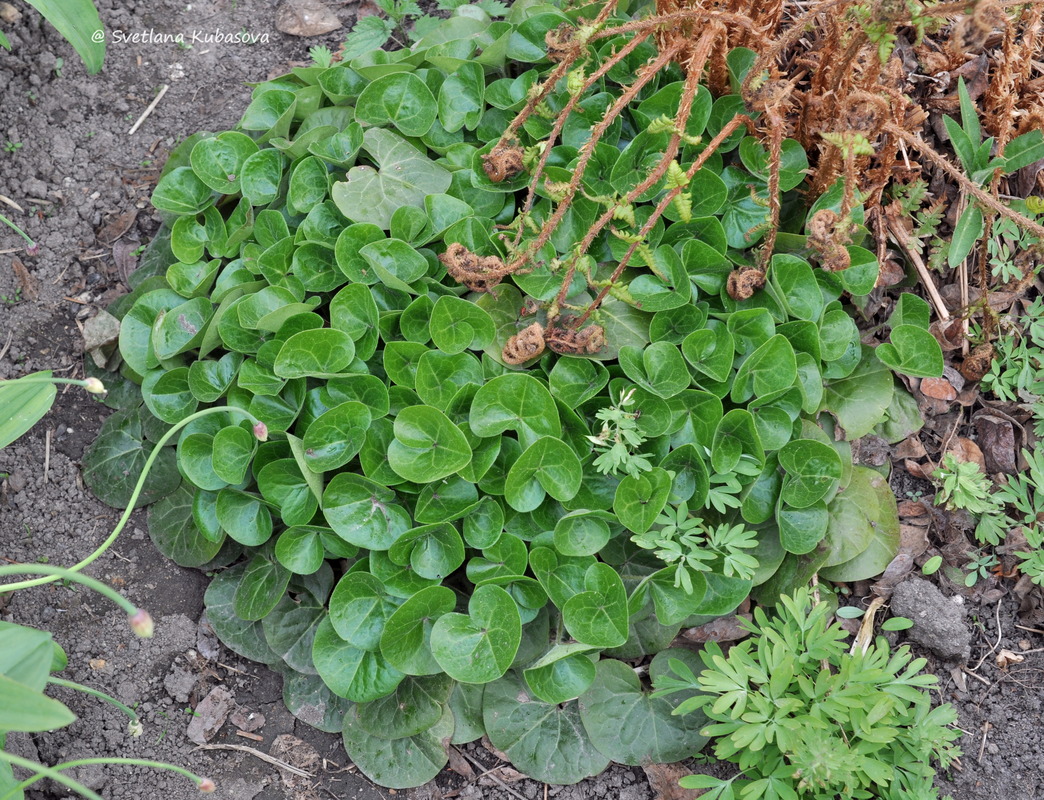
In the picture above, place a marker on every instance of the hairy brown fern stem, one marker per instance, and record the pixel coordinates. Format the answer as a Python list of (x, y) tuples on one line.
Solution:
[(823, 75)]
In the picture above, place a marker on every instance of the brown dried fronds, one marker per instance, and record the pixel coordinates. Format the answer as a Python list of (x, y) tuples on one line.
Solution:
[(586, 341), (743, 282), (978, 362), (478, 273), (866, 113), (525, 345), (969, 35), (561, 43), (772, 94), (828, 233), (503, 162)]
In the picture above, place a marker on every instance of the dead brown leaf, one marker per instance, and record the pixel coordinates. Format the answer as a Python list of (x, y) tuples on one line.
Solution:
[(1005, 658), (723, 629), (938, 389), (893, 575), (459, 764), (997, 439), (910, 448), (117, 227), (913, 539), (663, 779), (210, 715), (30, 288), (966, 450)]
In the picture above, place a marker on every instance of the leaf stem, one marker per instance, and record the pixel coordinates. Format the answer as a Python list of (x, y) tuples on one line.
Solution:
[(43, 771), (17, 230), (79, 687), (55, 573), (54, 773), (139, 486)]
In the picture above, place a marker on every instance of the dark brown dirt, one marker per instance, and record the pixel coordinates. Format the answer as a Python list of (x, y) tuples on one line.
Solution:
[(69, 162)]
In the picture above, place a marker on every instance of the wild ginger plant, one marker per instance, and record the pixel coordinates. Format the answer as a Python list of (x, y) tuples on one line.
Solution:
[(435, 274)]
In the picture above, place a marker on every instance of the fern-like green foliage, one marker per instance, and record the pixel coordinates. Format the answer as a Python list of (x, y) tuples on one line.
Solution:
[(804, 718)]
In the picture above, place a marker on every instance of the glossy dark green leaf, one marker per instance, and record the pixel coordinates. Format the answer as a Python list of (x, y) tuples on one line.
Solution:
[(244, 517), (427, 445), (242, 637), (406, 640), (912, 350), (113, 462), (336, 436), (598, 615), (859, 401), (282, 484), (233, 449), (562, 674), (814, 470), (300, 549), (458, 325), (218, 161), (801, 529), (401, 99), (359, 675), (173, 530), (431, 551), (181, 191), (260, 589), (658, 368), (398, 763), (640, 499), (547, 467), (574, 381), (515, 402), (544, 740), (364, 512), (323, 352), (478, 647), (631, 727)]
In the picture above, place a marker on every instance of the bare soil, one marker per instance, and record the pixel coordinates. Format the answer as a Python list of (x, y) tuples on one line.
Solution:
[(70, 164)]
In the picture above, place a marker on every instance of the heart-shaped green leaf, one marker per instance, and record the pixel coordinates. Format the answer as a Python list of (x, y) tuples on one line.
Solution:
[(548, 466), (478, 647), (598, 615)]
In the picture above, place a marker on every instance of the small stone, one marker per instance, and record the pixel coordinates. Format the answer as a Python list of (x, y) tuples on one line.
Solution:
[(9, 14), (16, 482), (938, 624), (100, 334), (180, 683), (305, 18)]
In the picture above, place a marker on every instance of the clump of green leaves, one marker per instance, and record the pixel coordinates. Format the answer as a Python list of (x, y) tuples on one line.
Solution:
[(690, 545), (963, 485), (1015, 503), (433, 531), (802, 717), (619, 438)]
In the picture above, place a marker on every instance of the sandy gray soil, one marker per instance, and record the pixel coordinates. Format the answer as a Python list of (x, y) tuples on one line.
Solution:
[(70, 164)]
